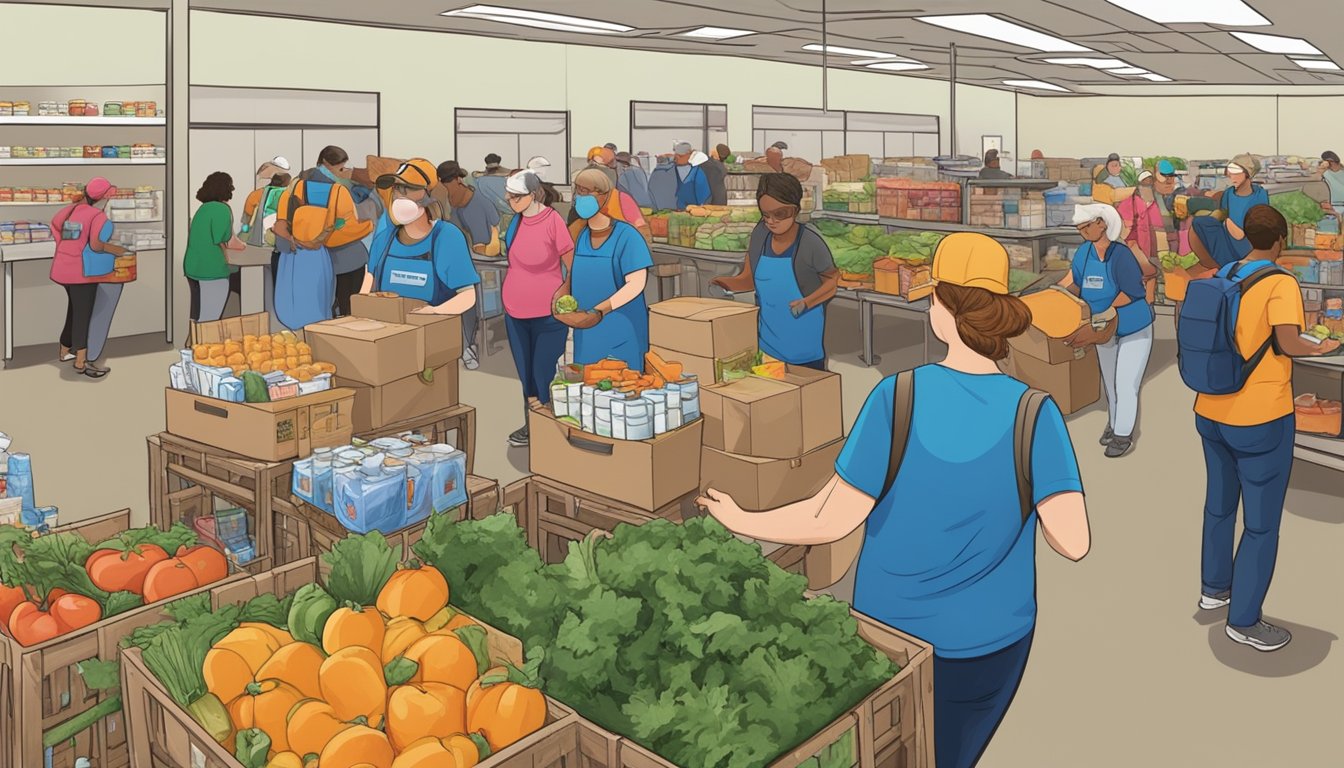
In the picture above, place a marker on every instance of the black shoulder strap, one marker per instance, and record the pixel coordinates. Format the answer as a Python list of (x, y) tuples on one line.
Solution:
[(1024, 437), (902, 414)]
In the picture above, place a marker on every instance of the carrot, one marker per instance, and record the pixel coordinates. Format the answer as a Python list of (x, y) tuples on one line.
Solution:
[(611, 365)]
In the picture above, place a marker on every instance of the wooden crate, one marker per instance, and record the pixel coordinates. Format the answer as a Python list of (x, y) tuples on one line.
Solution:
[(185, 477), (41, 687), (458, 421), (302, 530), (161, 734), (557, 514)]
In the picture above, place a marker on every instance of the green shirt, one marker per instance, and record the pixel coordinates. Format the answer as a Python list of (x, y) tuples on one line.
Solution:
[(211, 227)]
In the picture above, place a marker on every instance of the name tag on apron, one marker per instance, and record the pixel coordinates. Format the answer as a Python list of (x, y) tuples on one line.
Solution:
[(401, 277), (1095, 282), (71, 230)]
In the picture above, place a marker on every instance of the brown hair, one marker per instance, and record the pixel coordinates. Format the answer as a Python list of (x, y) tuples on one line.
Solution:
[(1265, 226), (985, 321), (217, 188)]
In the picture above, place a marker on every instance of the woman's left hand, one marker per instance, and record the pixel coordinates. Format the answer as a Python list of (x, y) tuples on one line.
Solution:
[(798, 307), (579, 320), (1082, 337), (718, 504)]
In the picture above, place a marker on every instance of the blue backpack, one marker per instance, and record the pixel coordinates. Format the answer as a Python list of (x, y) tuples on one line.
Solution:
[(1207, 356)]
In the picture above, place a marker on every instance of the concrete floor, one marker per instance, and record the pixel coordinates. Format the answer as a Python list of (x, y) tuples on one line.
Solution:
[(1124, 672)]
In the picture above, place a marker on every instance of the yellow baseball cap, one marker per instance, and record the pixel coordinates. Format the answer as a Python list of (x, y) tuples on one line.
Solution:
[(417, 172), (971, 260)]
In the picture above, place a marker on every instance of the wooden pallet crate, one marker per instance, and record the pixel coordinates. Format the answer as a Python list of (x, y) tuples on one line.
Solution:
[(556, 514), (302, 530), (455, 426), (42, 690), (186, 477), (161, 734)]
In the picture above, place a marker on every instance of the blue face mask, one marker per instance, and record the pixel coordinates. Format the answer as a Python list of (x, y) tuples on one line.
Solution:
[(586, 206)]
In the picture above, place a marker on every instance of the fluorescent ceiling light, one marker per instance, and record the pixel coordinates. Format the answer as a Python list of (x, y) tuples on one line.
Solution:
[(1276, 44), (717, 33), (994, 28), (835, 50), (538, 20), (1226, 13), (897, 66), (1037, 84), (1329, 66), (1156, 78), (1127, 71), (1097, 63)]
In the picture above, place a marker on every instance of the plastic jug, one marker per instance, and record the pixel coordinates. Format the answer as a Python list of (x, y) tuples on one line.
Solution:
[(19, 480), (419, 490), (301, 480), (231, 389), (372, 498), (657, 400), (448, 477), (690, 397)]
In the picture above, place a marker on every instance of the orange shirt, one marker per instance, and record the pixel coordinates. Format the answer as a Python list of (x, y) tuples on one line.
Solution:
[(1268, 394)]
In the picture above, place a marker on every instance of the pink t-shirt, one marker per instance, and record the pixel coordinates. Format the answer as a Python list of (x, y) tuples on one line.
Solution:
[(630, 210), (534, 272), (80, 222)]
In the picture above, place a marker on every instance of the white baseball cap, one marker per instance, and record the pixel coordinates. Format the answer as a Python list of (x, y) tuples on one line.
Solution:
[(280, 162)]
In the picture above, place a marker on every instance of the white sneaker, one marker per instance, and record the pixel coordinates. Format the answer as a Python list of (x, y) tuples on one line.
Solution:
[(469, 358), (1214, 602)]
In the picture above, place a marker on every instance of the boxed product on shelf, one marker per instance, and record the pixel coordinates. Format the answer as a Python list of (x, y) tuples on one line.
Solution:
[(1318, 388), (848, 168), (901, 198), (911, 280)]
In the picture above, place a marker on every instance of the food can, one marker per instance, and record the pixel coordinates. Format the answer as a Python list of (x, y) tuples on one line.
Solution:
[(638, 419), (602, 413), (657, 400), (586, 409)]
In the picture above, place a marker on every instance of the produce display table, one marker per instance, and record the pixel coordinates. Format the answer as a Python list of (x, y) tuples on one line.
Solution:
[(185, 476), (459, 421), (302, 530)]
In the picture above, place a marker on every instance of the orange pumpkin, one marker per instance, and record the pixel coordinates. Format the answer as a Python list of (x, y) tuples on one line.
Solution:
[(443, 659), (10, 597), (298, 664), (402, 633), (358, 745), (414, 590), (453, 752), (75, 612), (265, 706), (415, 712), (232, 664), (354, 626), (113, 570), (30, 625), (312, 723), (190, 569), (353, 682), (503, 710)]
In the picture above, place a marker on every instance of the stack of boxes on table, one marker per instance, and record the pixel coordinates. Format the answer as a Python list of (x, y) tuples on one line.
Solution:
[(1041, 359), (1007, 208), (1067, 169), (904, 198)]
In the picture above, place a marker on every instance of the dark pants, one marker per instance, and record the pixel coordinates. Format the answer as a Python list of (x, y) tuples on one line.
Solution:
[(347, 285), (78, 312), (816, 365), (970, 698), (537, 344), (1251, 465), (471, 323)]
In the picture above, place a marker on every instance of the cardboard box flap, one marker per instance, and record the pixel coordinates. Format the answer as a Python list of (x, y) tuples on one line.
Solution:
[(1057, 312), (714, 328), (383, 306), (231, 328), (753, 389), (335, 394), (699, 310), (362, 328)]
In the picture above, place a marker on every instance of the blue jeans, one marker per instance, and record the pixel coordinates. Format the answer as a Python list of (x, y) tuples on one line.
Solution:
[(970, 698), (1251, 465), (537, 344)]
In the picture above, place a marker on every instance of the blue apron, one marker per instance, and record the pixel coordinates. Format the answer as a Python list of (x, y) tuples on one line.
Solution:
[(686, 190), (413, 277), (795, 340), (1100, 289), (624, 333)]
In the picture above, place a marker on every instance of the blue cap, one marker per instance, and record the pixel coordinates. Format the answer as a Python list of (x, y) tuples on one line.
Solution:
[(1165, 168)]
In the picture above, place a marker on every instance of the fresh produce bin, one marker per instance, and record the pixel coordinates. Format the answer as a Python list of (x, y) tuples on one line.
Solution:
[(53, 709), (555, 514)]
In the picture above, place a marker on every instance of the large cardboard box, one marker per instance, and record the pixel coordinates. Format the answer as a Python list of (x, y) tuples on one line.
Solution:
[(759, 484), (367, 351), (443, 333), (773, 419), (1073, 385), (1057, 312), (706, 328), (284, 429), (230, 329), (1034, 343), (700, 367), (648, 474), (406, 398)]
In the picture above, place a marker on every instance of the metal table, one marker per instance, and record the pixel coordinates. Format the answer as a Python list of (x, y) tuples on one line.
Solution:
[(11, 255), (870, 300)]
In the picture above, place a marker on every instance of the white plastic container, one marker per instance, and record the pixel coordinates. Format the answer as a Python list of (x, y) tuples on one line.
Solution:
[(602, 413), (657, 399), (587, 412), (638, 419), (689, 387), (674, 419), (560, 399)]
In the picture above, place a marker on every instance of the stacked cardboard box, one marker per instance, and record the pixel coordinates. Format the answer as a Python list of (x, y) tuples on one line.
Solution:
[(771, 442), (1066, 169), (848, 167), (702, 334), (400, 364), (1007, 208), (902, 198)]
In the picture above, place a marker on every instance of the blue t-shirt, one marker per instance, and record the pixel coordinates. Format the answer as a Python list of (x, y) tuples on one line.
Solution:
[(1237, 206), (946, 557), (1101, 282), (451, 257)]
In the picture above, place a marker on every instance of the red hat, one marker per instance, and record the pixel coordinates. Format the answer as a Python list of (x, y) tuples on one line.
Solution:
[(99, 188)]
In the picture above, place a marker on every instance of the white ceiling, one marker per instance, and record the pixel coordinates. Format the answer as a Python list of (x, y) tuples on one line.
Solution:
[(1189, 54)]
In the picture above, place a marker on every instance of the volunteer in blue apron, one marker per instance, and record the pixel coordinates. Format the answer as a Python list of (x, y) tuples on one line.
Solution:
[(415, 253), (1219, 243), (791, 270), (1106, 274), (692, 184), (611, 268)]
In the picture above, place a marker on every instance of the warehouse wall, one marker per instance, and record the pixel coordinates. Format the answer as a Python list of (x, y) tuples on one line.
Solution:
[(1196, 127), (594, 84)]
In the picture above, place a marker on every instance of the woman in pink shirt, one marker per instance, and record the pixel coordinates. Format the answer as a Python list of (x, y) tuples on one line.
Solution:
[(82, 259), (540, 252), (1142, 221)]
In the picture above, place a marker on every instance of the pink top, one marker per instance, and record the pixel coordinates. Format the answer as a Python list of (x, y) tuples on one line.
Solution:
[(534, 273), (73, 228), (1144, 219), (630, 210)]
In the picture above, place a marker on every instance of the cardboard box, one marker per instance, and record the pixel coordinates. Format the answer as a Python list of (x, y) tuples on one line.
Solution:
[(231, 329), (773, 419), (700, 367), (405, 398), (285, 429), (369, 352), (759, 484), (1073, 385), (1034, 343), (648, 474), (443, 333), (707, 328), (1056, 311)]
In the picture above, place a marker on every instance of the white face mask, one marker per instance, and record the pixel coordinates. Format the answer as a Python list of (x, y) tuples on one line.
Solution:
[(404, 211)]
